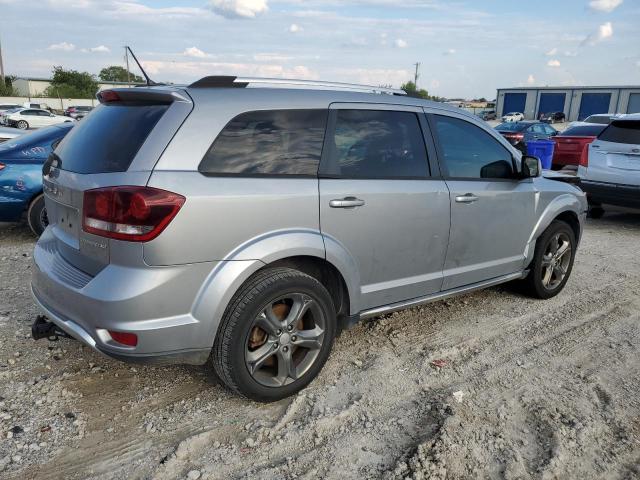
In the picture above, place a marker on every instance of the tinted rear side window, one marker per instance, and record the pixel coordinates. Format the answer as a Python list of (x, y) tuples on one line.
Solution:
[(377, 144), (108, 139), (622, 132), (270, 142), (583, 131)]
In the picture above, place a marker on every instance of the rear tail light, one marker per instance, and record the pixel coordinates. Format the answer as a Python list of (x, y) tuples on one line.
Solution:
[(584, 156), (2, 165), (108, 96), (129, 339), (136, 214)]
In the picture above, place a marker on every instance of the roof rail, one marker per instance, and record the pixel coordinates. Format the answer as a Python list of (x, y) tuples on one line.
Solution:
[(241, 82)]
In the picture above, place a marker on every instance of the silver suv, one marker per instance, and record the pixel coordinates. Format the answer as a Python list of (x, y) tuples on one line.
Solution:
[(242, 223)]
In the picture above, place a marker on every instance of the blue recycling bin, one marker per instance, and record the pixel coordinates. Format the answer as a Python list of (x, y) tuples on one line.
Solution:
[(543, 149)]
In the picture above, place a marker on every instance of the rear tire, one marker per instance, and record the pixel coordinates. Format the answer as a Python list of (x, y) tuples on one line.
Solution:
[(261, 319), (37, 216), (550, 268), (22, 125), (595, 211)]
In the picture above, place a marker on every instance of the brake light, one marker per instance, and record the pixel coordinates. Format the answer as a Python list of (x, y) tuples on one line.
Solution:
[(129, 339), (136, 214), (584, 156), (108, 96), (2, 165)]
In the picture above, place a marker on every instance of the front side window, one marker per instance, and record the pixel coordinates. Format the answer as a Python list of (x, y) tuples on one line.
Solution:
[(376, 144), (469, 152), (269, 142)]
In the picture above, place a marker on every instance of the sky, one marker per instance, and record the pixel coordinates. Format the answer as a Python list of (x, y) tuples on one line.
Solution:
[(466, 48)]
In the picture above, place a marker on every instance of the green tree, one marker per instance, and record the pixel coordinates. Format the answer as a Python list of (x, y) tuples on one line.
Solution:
[(413, 91), (71, 84), (116, 73), (6, 89)]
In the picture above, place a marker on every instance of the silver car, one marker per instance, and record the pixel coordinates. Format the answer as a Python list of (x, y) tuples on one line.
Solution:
[(241, 223)]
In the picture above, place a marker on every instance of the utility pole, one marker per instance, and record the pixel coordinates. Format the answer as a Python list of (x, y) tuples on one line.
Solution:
[(415, 77), (126, 56), (1, 67)]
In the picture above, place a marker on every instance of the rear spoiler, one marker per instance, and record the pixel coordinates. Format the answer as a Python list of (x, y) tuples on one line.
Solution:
[(142, 95)]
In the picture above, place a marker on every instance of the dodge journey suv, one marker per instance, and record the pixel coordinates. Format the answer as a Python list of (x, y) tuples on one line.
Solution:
[(241, 223)]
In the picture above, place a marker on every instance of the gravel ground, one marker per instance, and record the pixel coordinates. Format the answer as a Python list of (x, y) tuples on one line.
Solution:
[(488, 385)]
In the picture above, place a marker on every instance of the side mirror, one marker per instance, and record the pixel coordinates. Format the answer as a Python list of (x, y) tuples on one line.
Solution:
[(531, 167)]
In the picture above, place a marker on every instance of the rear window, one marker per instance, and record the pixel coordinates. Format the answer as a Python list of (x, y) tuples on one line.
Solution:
[(512, 126), (269, 142), (583, 131), (622, 131), (602, 119), (109, 138)]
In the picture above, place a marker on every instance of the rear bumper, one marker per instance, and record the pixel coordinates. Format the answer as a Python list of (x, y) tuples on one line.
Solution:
[(612, 193), (153, 302)]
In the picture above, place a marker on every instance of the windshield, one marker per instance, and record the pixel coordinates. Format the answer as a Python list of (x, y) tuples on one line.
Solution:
[(511, 127)]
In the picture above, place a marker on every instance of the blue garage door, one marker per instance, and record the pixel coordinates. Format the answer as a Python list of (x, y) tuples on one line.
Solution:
[(634, 103), (514, 102), (593, 103), (551, 102)]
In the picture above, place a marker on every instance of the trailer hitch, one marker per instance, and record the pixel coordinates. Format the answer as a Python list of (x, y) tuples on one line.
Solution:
[(42, 328)]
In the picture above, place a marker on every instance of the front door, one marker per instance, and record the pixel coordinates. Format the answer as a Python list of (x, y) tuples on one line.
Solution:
[(379, 202), (492, 212)]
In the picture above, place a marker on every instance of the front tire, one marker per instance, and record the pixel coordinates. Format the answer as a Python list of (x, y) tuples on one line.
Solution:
[(37, 216), (275, 335), (22, 125), (552, 261)]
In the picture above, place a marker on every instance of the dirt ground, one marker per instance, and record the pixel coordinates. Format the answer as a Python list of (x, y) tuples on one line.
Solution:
[(526, 389)]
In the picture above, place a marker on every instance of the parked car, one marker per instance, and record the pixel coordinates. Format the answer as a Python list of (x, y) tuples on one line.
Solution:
[(519, 133), (572, 145), (21, 161), (553, 117), (602, 118), (7, 106), (488, 115), (78, 111), (34, 118), (247, 236), (4, 114), (513, 117), (611, 174)]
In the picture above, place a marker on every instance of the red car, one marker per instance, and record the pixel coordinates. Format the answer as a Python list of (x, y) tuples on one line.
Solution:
[(572, 145)]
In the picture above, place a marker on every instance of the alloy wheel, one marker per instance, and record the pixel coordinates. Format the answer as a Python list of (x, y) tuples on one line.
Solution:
[(556, 261), (285, 339)]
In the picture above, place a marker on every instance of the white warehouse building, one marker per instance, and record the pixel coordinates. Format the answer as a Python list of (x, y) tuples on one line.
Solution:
[(577, 103)]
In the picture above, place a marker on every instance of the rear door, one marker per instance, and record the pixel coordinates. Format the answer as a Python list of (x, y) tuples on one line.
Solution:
[(118, 145), (615, 156), (381, 202), (492, 212)]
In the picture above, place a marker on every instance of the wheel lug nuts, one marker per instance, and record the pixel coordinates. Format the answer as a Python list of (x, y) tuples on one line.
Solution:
[(278, 332), (289, 328), (275, 345), (285, 349), (293, 338)]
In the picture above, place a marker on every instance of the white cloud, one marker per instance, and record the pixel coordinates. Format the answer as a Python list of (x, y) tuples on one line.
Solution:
[(604, 31), (531, 80), (238, 8), (295, 28), (605, 5), (570, 54), (434, 83), (194, 52), (100, 49), (552, 52), (450, 51), (553, 63), (400, 43), (64, 46)]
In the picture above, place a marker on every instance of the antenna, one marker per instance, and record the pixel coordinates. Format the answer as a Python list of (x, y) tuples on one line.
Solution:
[(149, 81)]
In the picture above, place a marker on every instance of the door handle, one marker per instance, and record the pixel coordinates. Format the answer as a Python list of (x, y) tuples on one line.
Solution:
[(466, 198), (346, 202)]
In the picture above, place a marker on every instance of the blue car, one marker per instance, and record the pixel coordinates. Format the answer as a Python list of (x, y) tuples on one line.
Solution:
[(21, 161)]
